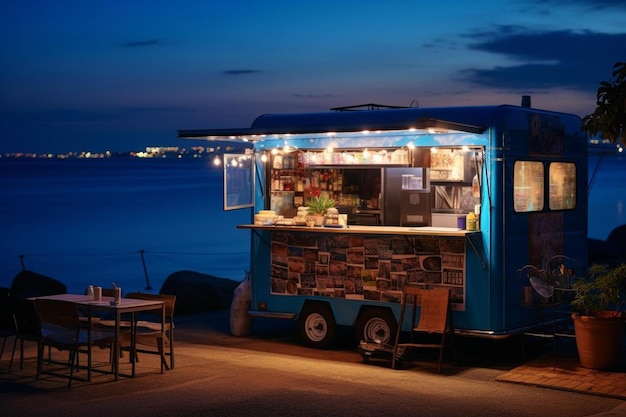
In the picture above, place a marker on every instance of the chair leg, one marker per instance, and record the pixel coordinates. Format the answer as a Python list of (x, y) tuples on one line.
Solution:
[(73, 358), (443, 340), (12, 354), (171, 353), (40, 350), (22, 353), (4, 342), (160, 347)]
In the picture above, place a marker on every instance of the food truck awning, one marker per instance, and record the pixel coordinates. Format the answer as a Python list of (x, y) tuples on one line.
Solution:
[(462, 119)]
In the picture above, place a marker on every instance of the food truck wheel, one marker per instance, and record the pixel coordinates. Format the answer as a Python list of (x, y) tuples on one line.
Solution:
[(376, 325), (317, 326)]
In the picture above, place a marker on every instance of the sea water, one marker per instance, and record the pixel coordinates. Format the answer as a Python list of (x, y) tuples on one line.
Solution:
[(606, 195), (136, 221), (125, 220)]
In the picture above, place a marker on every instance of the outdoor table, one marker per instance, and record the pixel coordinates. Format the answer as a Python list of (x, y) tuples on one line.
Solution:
[(131, 306)]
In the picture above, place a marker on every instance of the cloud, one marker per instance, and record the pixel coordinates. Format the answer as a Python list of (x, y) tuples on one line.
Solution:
[(138, 44), (241, 72), (547, 59)]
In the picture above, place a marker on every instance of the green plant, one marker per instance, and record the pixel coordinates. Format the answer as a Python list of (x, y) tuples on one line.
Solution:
[(609, 117), (319, 204), (602, 293)]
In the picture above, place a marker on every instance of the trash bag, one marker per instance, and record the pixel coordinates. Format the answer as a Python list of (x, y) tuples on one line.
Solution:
[(240, 320)]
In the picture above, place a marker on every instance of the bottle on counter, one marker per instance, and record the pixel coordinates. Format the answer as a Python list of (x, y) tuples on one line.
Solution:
[(470, 221), (477, 213)]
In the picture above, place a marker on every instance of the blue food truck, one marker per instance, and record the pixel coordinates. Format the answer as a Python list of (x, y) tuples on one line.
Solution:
[(458, 197)]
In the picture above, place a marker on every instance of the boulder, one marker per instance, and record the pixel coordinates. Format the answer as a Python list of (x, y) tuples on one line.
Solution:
[(196, 292), (611, 251), (31, 284), (617, 240)]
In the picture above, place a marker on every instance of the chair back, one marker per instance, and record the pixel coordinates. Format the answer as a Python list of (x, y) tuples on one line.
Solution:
[(26, 319), (57, 313), (168, 300), (434, 304), (6, 311)]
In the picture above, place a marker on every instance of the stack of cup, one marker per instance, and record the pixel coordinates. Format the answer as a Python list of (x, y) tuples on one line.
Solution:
[(97, 293)]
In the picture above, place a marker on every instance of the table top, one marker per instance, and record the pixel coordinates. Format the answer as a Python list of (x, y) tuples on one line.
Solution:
[(105, 302)]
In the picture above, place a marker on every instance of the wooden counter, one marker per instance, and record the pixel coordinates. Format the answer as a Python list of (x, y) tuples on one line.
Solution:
[(370, 230)]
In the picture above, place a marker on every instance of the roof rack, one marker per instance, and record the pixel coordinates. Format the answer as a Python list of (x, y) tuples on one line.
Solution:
[(368, 106)]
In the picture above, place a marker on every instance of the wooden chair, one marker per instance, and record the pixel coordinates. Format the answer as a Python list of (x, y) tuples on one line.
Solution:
[(149, 328), (27, 326), (61, 329), (7, 323), (434, 318)]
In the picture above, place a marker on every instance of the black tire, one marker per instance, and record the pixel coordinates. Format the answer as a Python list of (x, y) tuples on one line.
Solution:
[(376, 325), (317, 326)]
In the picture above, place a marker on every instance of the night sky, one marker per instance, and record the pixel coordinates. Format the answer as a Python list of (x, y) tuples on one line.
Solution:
[(111, 75)]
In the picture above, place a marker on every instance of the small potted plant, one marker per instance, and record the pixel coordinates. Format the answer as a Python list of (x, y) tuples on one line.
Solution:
[(318, 206), (598, 315)]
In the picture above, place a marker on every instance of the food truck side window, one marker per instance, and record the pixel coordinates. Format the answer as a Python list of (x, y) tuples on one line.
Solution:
[(528, 186), (562, 186)]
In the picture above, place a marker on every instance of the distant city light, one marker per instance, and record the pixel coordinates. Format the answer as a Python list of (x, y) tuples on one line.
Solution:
[(159, 152)]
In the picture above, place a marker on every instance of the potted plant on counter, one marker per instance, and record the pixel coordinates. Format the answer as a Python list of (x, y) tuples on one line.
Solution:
[(599, 317), (318, 206)]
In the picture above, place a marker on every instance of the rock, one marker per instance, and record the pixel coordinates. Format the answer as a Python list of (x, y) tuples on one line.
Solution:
[(611, 251), (617, 240), (196, 292), (31, 284)]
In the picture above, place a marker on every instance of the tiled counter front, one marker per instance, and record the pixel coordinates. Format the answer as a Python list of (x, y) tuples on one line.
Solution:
[(365, 267)]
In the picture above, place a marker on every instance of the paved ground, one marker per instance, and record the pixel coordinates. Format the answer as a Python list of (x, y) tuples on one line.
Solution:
[(270, 374), (565, 373)]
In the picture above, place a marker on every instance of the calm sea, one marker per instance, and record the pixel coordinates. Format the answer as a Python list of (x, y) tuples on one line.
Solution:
[(86, 221)]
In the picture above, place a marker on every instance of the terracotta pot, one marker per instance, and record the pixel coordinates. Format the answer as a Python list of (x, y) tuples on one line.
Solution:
[(319, 219), (598, 340)]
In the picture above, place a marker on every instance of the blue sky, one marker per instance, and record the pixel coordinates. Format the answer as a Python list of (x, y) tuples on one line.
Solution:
[(108, 75)]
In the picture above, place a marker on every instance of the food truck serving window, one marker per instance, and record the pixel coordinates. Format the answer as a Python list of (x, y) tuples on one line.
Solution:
[(562, 186), (238, 181), (528, 191)]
